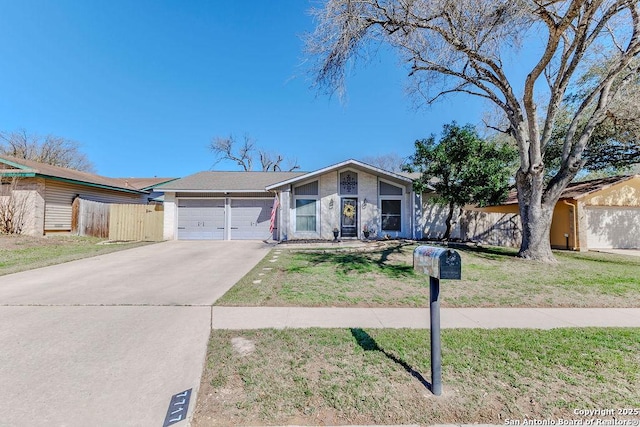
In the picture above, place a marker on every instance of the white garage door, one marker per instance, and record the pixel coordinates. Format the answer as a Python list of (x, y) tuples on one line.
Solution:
[(250, 219), (200, 219), (613, 228)]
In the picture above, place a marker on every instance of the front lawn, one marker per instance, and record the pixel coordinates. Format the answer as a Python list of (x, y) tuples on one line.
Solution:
[(20, 253), (384, 277), (356, 376)]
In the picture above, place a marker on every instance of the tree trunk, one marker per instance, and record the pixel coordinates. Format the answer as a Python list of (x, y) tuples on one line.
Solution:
[(536, 229), (447, 232), (536, 217)]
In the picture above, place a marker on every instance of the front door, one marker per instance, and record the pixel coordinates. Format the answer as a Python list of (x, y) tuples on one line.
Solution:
[(349, 222)]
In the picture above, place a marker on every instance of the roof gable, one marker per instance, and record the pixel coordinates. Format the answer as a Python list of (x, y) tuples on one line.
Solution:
[(351, 163)]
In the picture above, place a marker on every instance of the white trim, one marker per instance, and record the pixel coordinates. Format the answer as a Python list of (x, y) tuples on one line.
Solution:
[(342, 165), (260, 190)]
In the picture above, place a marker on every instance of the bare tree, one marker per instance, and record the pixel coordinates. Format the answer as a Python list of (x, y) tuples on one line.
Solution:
[(245, 153), (460, 46), (13, 207), (52, 150), (391, 162)]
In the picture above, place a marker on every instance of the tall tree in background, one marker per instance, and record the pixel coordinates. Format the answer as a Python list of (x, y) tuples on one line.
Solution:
[(462, 168), (614, 146), (245, 154), (460, 46), (391, 162), (52, 150)]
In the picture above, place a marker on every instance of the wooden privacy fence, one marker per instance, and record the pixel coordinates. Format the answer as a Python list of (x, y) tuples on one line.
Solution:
[(117, 221), (90, 218), (136, 222)]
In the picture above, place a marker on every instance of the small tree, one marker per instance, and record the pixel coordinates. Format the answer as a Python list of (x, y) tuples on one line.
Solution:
[(13, 207), (245, 154), (52, 150), (462, 168)]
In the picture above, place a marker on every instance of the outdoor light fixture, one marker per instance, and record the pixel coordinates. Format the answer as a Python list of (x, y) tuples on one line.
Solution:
[(364, 203), (331, 204)]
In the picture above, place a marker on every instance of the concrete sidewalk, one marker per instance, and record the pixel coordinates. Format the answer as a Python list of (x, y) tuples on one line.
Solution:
[(489, 318)]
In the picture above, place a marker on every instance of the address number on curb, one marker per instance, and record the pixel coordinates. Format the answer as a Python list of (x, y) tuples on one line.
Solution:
[(178, 408)]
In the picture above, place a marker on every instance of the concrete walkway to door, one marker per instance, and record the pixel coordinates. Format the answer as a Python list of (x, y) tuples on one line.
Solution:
[(108, 340)]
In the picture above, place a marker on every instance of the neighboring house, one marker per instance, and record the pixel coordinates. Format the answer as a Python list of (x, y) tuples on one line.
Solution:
[(596, 214), (238, 205), (48, 192)]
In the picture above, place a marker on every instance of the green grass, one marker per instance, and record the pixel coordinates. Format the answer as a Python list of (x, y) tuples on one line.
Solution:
[(491, 277), (20, 253), (355, 376)]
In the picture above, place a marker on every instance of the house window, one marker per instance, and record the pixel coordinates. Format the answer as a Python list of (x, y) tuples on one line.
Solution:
[(389, 190), (349, 183), (391, 215), (310, 189), (306, 214)]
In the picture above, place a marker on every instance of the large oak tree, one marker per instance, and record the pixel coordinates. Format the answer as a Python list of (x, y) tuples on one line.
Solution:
[(462, 46)]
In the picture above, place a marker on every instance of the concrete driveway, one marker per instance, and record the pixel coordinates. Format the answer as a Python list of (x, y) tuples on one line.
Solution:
[(108, 340)]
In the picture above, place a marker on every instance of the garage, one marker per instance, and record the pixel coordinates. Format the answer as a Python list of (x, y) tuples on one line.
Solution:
[(250, 219), (207, 219), (219, 205), (613, 227), (201, 219)]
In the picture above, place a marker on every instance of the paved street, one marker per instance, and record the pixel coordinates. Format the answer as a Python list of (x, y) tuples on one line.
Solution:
[(108, 340)]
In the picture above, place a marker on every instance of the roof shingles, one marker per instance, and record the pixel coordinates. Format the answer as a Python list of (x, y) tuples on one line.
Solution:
[(216, 181), (576, 190), (46, 170)]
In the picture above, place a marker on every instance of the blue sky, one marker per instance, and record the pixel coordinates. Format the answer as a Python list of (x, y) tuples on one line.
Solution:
[(145, 85)]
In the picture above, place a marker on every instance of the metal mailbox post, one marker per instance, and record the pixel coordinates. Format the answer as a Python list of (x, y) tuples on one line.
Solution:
[(437, 263)]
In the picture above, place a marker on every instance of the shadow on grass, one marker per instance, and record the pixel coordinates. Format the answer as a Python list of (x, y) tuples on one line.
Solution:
[(364, 262), (492, 253), (367, 343), (598, 257)]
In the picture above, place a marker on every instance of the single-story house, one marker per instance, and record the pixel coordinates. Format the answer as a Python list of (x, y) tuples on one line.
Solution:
[(597, 214), (47, 192), (350, 196)]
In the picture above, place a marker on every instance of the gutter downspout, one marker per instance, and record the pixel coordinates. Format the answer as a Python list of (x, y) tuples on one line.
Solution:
[(412, 217), (575, 223)]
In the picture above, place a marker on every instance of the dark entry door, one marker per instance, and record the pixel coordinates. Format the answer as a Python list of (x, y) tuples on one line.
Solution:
[(349, 216)]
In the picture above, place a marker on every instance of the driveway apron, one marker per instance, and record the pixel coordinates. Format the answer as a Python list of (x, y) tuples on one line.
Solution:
[(108, 340)]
